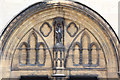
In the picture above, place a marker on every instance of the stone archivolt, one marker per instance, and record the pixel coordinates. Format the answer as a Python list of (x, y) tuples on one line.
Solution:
[(59, 38)]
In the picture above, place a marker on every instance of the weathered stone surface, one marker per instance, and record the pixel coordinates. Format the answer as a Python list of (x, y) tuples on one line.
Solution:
[(31, 45)]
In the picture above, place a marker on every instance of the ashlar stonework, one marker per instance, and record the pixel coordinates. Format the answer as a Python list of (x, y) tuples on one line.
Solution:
[(59, 40)]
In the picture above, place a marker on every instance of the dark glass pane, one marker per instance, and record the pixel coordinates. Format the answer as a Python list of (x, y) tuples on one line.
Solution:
[(34, 78), (82, 78)]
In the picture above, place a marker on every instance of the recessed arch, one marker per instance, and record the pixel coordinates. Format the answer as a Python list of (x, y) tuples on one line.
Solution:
[(57, 16)]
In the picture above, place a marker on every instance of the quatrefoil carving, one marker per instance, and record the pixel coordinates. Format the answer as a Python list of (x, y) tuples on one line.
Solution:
[(45, 29), (72, 29)]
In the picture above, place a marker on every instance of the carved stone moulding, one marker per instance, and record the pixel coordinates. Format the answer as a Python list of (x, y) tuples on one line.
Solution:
[(64, 37)]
